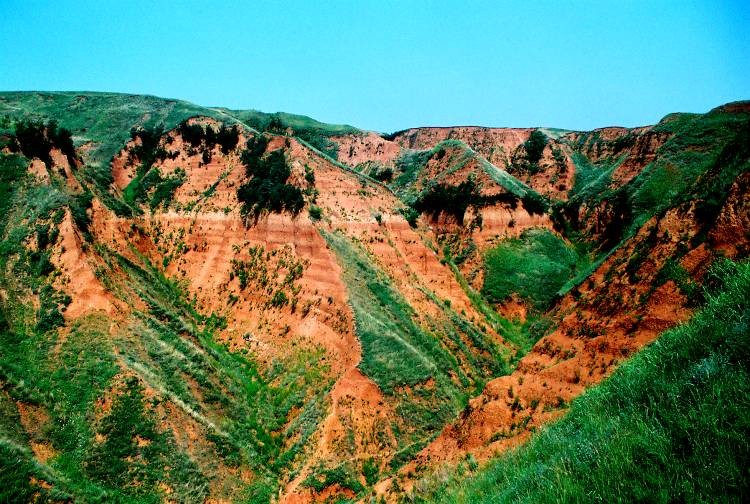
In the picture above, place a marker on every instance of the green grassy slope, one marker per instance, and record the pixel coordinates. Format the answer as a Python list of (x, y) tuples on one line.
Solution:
[(533, 266), (456, 154), (699, 162), (672, 424), (399, 353), (262, 121)]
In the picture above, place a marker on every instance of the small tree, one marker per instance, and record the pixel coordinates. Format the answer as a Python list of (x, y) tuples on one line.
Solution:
[(535, 146)]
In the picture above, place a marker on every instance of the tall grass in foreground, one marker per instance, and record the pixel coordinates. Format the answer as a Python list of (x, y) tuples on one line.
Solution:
[(672, 424)]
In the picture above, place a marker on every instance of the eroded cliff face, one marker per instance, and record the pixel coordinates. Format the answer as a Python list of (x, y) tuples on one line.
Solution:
[(646, 284), (496, 145), (203, 241), (355, 330)]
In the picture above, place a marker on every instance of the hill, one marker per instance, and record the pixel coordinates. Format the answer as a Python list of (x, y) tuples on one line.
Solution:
[(203, 304)]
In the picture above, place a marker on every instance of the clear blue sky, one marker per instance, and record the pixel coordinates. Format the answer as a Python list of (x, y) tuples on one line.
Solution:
[(389, 65)]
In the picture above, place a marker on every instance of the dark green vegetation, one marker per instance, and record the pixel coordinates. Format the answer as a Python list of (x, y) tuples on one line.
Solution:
[(12, 170), (525, 160), (36, 139), (206, 137), (342, 475), (403, 354), (535, 146), (267, 190), (449, 199), (533, 267), (671, 423)]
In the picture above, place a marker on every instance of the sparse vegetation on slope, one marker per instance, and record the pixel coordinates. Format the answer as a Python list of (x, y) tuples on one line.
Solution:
[(149, 185), (311, 131), (699, 162), (436, 193)]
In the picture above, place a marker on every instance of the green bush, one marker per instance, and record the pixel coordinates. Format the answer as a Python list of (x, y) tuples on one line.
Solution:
[(151, 187), (147, 151), (206, 138), (534, 203), (535, 146), (315, 212), (342, 475), (267, 190), (12, 171), (79, 207), (410, 214), (121, 461), (384, 175), (166, 187), (48, 314)]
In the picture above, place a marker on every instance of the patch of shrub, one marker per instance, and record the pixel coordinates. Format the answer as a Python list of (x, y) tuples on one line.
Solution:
[(370, 470), (534, 203), (341, 475), (147, 151), (207, 137), (672, 270), (535, 146), (279, 300), (166, 187), (133, 453), (449, 199), (309, 176), (315, 212), (154, 188), (79, 207), (410, 214), (384, 175), (267, 190), (12, 170), (35, 140), (48, 315)]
